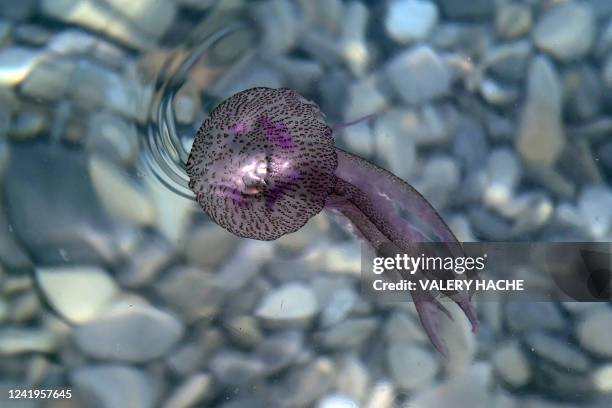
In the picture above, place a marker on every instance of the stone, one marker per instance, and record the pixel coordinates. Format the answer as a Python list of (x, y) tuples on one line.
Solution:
[(439, 179), (541, 135), (470, 144), (566, 31), (339, 306), (144, 333), (97, 17), (120, 194), (410, 20), (78, 293), (303, 384), (557, 351), (468, 390), (503, 175), (69, 218), (94, 85), (351, 333), (29, 124), (19, 340), (336, 401), (197, 389), (187, 359), (602, 378), (594, 330), (403, 328), (290, 305), (49, 79), (73, 42), (31, 34), (193, 292), (145, 260), (131, 387), (236, 368), (583, 92), (461, 341), (511, 364), (594, 206), (419, 74), (245, 264), (412, 367), (513, 20), (352, 378), (352, 43), (397, 148), (279, 351), (208, 245), (152, 17), (280, 23), (359, 138), (468, 10), (364, 98), (497, 94), (509, 61), (301, 74), (111, 136), (522, 316), (16, 63)]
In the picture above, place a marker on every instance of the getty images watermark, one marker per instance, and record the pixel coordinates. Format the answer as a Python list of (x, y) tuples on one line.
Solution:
[(542, 271)]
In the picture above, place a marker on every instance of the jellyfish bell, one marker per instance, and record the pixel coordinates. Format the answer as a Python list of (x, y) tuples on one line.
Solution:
[(264, 162)]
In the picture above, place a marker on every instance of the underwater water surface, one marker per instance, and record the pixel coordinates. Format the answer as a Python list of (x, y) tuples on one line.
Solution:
[(117, 287)]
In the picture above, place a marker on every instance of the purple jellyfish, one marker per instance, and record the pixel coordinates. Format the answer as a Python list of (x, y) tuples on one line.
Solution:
[(264, 162)]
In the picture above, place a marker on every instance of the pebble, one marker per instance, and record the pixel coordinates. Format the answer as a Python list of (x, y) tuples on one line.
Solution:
[(513, 20), (69, 218), (281, 25), (352, 378), (364, 98), (583, 93), (304, 384), (144, 333), (29, 124), (541, 135), (290, 305), (336, 401), (31, 34), (188, 358), (439, 180), (468, 10), (557, 351), (566, 31), (193, 292), (352, 45), (470, 144), (496, 93), (49, 79), (412, 367), (120, 193), (79, 293), (594, 205), (208, 245), (359, 138), (602, 378), (511, 364), (594, 331), (145, 260), (468, 390), (111, 136), (279, 351), (509, 61), (395, 145), (403, 328), (410, 20), (301, 74), (503, 175), (96, 17), (461, 341), (196, 389), (21, 340), (339, 306), (236, 368), (419, 74), (152, 17), (16, 63), (131, 387), (523, 316), (349, 334)]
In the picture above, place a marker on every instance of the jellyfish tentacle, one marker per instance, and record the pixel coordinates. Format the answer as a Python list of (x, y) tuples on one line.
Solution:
[(376, 194)]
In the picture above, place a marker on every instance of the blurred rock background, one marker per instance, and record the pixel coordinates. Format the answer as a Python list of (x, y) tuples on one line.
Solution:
[(499, 112)]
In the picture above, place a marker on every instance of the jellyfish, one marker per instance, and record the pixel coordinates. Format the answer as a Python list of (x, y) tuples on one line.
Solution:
[(264, 162)]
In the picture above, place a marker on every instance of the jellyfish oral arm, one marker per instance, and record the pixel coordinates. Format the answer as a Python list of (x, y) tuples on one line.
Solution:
[(372, 199)]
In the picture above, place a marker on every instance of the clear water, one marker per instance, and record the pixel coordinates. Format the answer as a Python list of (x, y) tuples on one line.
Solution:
[(114, 284)]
